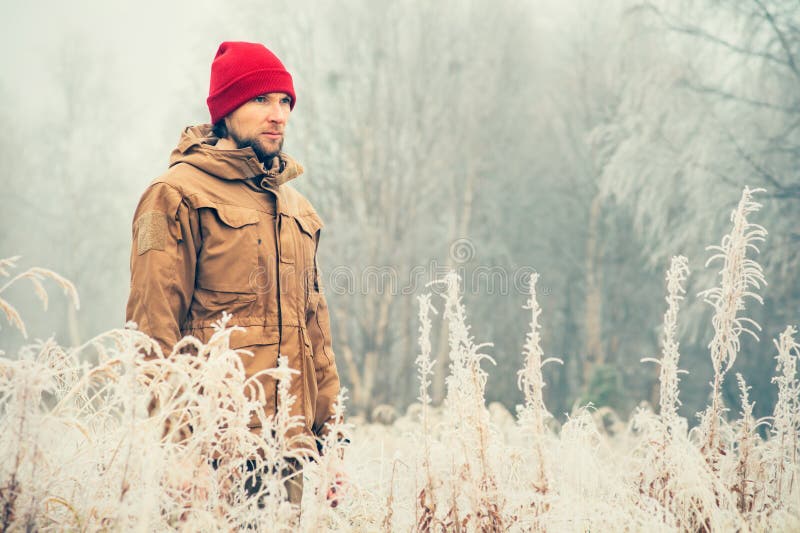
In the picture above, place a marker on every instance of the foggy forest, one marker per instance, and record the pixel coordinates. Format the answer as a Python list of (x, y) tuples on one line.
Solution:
[(560, 255)]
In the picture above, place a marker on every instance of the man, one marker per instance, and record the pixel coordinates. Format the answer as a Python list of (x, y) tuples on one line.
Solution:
[(223, 230)]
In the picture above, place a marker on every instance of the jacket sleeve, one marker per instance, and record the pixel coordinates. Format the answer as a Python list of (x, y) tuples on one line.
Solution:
[(163, 260), (318, 325)]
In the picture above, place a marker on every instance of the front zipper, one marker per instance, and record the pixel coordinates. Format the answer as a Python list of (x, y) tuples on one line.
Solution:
[(278, 286)]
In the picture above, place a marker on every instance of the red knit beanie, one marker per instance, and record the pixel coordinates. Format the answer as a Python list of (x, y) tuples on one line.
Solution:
[(242, 71)]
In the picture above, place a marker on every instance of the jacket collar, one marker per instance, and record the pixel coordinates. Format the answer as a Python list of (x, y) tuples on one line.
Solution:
[(197, 147)]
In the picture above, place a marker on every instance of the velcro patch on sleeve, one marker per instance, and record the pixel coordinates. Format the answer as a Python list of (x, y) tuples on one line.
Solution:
[(152, 231)]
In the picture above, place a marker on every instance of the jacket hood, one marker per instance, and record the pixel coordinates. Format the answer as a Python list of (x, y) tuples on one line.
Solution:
[(197, 147)]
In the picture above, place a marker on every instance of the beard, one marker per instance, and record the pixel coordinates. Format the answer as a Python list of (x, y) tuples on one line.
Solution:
[(263, 153)]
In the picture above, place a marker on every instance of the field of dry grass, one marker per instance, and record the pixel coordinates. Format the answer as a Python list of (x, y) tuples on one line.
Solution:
[(82, 448)]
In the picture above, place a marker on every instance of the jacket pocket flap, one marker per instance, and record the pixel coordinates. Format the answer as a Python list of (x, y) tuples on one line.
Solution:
[(310, 223), (231, 215), (236, 217), (254, 335)]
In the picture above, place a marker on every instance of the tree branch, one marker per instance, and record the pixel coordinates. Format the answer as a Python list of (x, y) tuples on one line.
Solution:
[(725, 95), (790, 62)]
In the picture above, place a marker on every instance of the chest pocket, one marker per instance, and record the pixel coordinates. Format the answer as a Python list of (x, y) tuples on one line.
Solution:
[(228, 258)]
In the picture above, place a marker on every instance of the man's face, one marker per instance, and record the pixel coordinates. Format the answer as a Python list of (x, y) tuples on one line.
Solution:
[(260, 123)]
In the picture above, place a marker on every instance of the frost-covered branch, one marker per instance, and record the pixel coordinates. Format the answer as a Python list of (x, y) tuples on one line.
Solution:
[(739, 276), (668, 375), (533, 413)]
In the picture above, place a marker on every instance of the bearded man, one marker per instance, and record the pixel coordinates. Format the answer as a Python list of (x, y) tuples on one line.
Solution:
[(223, 230)]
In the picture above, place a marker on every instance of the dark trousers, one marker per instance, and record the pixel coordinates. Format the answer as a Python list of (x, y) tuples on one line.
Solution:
[(293, 473)]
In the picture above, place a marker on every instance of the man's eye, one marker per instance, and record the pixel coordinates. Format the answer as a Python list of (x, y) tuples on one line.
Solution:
[(286, 100), (260, 99)]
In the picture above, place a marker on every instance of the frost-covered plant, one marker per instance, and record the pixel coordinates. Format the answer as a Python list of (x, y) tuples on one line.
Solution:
[(669, 371), (785, 432), (35, 275), (319, 515), (676, 486), (281, 442), (466, 404), (749, 468), (674, 481), (656, 478), (135, 436), (22, 385), (739, 276), (533, 414), (426, 498)]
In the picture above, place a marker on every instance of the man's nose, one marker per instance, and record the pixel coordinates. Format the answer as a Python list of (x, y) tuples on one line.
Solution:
[(277, 113)]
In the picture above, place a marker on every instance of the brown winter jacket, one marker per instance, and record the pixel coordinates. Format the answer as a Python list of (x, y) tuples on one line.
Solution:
[(217, 232)]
